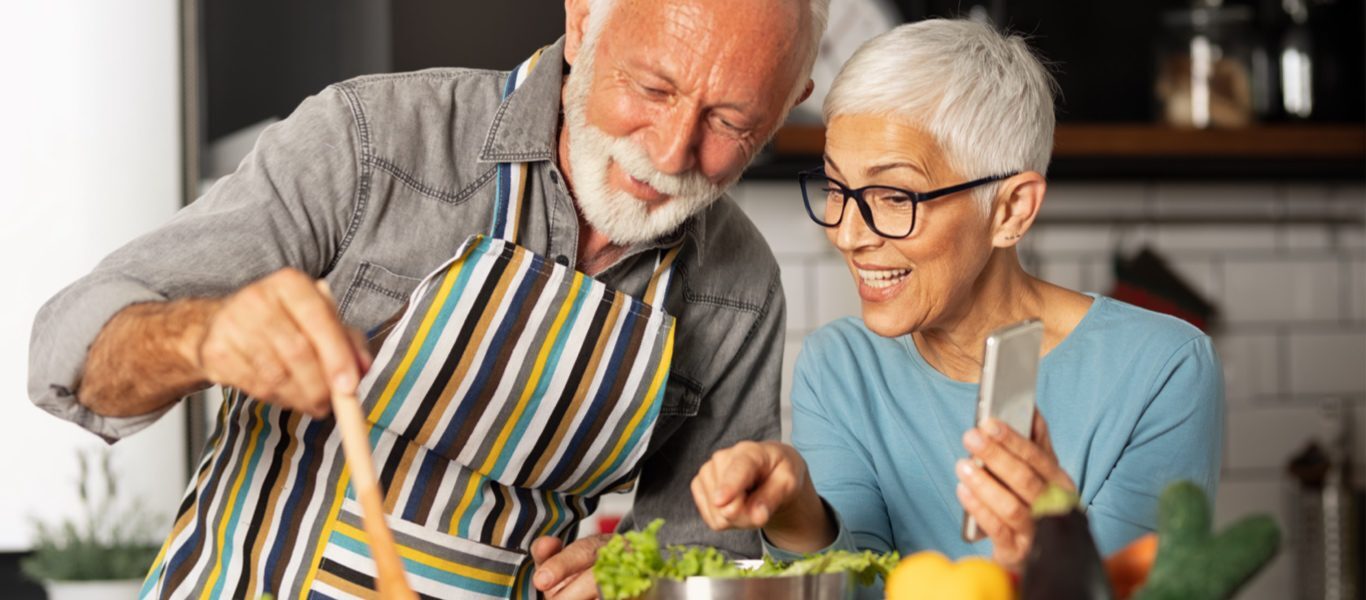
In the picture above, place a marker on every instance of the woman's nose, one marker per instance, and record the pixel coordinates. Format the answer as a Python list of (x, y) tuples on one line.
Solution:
[(853, 232)]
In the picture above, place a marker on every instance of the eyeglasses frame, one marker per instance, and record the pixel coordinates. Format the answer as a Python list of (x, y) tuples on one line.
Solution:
[(867, 211)]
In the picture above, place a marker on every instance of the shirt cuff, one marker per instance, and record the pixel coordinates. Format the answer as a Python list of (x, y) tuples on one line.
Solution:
[(63, 332), (843, 539)]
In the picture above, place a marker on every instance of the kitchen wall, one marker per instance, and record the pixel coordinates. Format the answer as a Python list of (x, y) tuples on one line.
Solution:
[(1293, 296), (91, 159)]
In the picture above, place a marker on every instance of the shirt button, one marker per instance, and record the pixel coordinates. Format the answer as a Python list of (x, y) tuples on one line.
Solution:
[(562, 259), (554, 177)]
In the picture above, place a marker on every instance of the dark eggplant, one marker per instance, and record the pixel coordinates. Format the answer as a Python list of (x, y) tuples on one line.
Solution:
[(1063, 562)]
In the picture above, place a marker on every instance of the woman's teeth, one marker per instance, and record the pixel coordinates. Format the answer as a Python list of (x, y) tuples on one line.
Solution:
[(883, 277)]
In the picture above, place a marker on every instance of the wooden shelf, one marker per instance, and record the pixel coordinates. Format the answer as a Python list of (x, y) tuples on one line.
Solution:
[(1331, 150), (1343, 141)]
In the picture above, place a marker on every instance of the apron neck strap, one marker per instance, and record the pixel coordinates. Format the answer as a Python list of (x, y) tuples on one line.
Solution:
[(658, 289), (511, 194)]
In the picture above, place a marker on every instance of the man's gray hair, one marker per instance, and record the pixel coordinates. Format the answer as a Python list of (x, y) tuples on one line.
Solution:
[(819, 11), (983, 95)]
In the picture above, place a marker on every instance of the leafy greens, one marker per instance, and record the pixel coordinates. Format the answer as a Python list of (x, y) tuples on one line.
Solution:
[(629, 564)]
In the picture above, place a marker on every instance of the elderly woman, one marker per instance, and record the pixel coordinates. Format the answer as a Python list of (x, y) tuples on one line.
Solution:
[(938, 137)]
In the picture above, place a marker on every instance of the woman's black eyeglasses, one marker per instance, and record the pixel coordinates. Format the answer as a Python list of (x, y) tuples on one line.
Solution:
[(888, 211)]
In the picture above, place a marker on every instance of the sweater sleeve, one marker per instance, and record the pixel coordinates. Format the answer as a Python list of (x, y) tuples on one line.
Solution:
[(1178, 436), (842, 472)]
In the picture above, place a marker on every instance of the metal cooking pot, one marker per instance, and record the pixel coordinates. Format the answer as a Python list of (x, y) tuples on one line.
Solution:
[(828, 586)]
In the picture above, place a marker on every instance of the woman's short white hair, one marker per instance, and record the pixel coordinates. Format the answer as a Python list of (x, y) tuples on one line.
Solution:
[(983, 95), (819, 11)]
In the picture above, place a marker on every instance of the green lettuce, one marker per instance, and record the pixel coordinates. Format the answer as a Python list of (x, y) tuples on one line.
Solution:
[(630, 563)]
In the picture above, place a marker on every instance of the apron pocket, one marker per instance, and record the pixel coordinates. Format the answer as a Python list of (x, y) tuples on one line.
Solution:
[(438, 565)]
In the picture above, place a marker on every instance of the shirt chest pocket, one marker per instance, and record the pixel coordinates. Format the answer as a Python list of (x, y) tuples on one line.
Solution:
[(682, 396), (374, 295)]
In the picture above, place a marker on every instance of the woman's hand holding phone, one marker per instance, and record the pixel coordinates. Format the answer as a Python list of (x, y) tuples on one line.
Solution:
[(1019, 470)]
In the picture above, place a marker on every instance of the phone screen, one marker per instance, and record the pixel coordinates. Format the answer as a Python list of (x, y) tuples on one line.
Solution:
[(1010, 375)]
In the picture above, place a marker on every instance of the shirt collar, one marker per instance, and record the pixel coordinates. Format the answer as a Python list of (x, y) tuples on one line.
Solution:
[(526, 129), (526, 126)]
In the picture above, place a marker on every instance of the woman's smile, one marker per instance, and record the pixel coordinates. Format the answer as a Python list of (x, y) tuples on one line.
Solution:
[(878, 284)]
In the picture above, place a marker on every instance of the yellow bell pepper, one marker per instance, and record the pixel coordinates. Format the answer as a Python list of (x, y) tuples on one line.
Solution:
[(932, 576)]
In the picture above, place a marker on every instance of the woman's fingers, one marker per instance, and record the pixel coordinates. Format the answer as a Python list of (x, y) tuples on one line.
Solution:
[(1012, 511), (739, 470), (1019, 475), (1010, 538), (705, 489), (1037, 452), (786, 479), (775, 491), (741, 487), (1039, 434), (702, 485), (995, 527), (1025, 466), (1013, 472)]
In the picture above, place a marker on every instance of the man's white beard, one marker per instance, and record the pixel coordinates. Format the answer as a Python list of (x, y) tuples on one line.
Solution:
[(621, 217)]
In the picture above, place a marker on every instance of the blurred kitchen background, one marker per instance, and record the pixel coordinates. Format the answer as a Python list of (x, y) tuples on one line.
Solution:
[(1210, 162)]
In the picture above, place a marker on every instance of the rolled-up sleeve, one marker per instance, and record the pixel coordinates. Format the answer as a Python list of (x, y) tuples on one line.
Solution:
[(289, 204)]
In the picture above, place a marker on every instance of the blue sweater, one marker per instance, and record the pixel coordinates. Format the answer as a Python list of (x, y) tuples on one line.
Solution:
[(1134, 400)]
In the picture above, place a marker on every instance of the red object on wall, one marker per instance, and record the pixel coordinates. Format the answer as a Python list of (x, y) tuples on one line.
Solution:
[(608, 523), (1146, 280)]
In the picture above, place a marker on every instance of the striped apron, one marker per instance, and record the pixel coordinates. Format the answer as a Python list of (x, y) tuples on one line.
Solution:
[(506, 397)]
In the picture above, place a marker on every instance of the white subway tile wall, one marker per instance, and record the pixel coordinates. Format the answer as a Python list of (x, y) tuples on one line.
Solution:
[(1252, 364), (1259, 437), (1234, 200), (1329, 362), (1356, 290), (835, 293), (797, 286), (1293, 296), (1218, 240), (1272, 289)]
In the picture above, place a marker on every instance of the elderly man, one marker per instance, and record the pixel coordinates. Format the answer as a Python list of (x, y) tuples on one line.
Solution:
[(595, 315)]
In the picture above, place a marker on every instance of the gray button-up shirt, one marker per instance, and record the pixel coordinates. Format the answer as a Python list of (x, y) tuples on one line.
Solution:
[(376, 181)]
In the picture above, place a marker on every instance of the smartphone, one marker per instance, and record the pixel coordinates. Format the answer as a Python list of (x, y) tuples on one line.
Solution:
[(1010, 375)]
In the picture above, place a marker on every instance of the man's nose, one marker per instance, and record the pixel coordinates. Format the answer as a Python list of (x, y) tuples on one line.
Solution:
[(673, 147)]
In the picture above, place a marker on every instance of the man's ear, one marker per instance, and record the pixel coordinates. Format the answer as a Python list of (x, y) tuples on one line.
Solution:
[(1017, 205), (806, 92), (575, 27)]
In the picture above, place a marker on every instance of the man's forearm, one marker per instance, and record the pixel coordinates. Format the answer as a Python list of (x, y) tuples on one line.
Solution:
[(145, 357)]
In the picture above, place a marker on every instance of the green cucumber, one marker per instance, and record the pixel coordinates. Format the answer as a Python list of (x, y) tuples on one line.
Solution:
[(1193, 564)]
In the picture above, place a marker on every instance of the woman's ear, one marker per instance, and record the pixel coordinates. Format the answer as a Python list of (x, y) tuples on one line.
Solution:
[(575, 27), (1018, 201)]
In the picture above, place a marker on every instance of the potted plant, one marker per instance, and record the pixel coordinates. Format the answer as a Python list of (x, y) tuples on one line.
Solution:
[(104, 551)]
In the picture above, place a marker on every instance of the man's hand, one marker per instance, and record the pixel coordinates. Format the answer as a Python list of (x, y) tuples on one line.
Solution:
[(763, 484), (566, 572), (1000, 500), (280, 340)]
